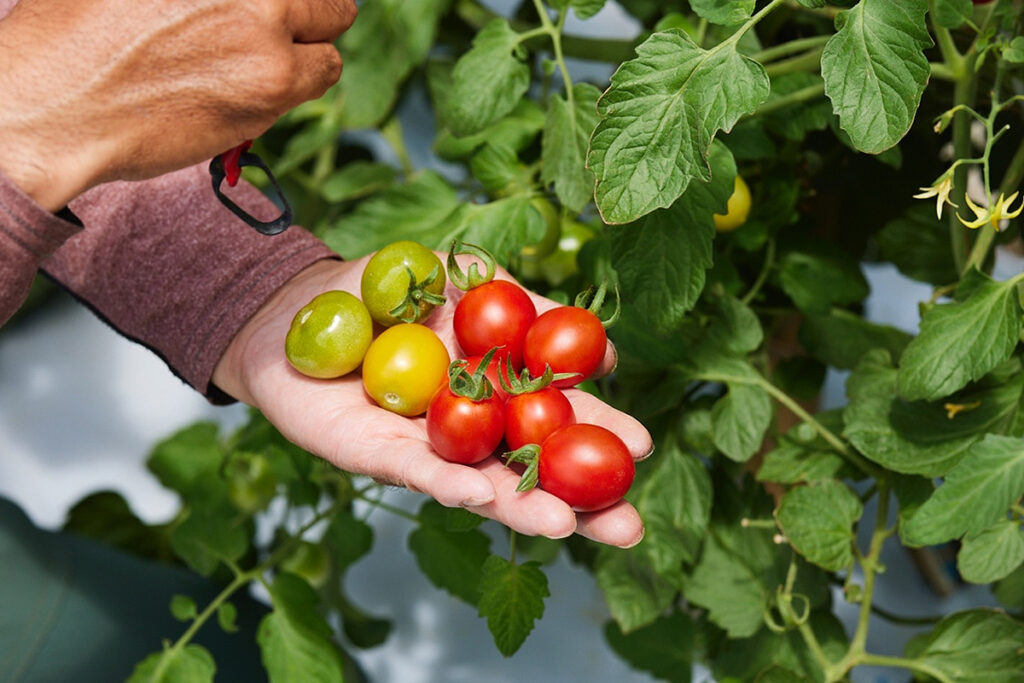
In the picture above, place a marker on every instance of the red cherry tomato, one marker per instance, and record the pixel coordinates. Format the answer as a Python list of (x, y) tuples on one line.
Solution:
[(533, 416), (462, 430), (494, 314), (569, 339), (586, 466), (473, 362)]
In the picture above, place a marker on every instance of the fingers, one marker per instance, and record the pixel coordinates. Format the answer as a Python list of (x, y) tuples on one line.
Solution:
[(534, 512), (316, 21), (619, 525), (317, 67)]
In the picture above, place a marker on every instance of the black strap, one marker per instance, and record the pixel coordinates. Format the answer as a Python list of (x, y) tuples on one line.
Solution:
[(274, 227)]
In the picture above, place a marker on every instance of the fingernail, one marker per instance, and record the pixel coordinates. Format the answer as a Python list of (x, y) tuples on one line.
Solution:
[(638, 539), (615, 363), (475, 502), (647, 454)]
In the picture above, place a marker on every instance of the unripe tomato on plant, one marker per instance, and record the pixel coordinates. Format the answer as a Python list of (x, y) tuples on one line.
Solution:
[(491, 312), (329, 336), (403, 282), (570, 339), (310, 561), (586, 466), (466, 419), (404, 367), (737, 210), (251, 483)]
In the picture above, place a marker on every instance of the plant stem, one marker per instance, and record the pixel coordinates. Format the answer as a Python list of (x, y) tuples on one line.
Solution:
[(963, 94), (950, 55), (790, 48), (753, 21), (838, 444), (762, 277), (811, 92), (882, 660), (390, 508), (1013, 176), (808, 62), (512, 545), (747, 523)]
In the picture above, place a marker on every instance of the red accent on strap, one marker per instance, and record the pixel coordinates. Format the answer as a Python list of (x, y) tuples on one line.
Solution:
[(232, 171)]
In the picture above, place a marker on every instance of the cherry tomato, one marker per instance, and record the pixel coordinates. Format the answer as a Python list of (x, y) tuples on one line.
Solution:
[(251, 483), (473, 362), (463, 430), (585, 465), (552, 231), (737, 210), (533, 416), (404, 367), (494, 314), (310, 561), (386, 284), (329, 336), (570, 340)]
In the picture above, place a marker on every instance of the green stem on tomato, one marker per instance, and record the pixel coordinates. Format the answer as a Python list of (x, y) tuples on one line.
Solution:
[(762, 277), (964, 94), (753, 21), (390, 508), (950, 55), (748, 523)]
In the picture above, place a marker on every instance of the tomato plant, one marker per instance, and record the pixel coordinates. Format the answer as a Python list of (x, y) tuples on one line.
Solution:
[(403, 282), (466, 418), (587, 466), (737, 209), (329, 336), (404, 367)]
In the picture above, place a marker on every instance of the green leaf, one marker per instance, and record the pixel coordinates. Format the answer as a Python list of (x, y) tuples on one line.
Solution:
[(452, 560), (729, 588), (1014, 52), (295, 641), (362, 629), (567, 130), (417, 210), (663, 648), (919, 437), (962, 341), (875, 70), (735, 327), (184, 461), (976, 645), (675, 504), (183, 608), (227, 616), (1010, 591), (496, 167), (918, 244), (348, 538), (795, 121), (802, 456), (661, 259), (659, 117), (911, 493), (390, 39), (818, 521), (356, 180), (724, 12), (487, 81), (516, 130), (992, 553), (191, 664), (739, 420), (840, 338), (106, 517), (636, 593), (209, 536), (817, 277), (976, 493), (584, 9), (501, 227), (953, 13), (512, 599)]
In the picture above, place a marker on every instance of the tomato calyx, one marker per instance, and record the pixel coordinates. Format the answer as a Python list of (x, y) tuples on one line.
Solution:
[(592, 300), (473, 386), (472, 277), (528, 455), (514, 385), (409, 309)]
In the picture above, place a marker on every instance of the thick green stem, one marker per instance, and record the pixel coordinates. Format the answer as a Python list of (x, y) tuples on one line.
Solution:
[(954, 60), (913, 665), (963, 94), (811, 92), (871, 565), (790, 48), (806, 63)]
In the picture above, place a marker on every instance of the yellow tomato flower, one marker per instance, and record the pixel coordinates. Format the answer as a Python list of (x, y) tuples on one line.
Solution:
[(940, 190), (993, 215)]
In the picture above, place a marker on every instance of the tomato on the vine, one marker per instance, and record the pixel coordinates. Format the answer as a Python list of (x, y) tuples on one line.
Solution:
[(403, 282), (329, 336), (310, 561), (404, 367), (585, 465), (494, 314), (532, 416), (737, 210), (466, 419)]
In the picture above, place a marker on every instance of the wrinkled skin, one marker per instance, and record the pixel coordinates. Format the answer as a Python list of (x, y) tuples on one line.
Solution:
[(337, 421)]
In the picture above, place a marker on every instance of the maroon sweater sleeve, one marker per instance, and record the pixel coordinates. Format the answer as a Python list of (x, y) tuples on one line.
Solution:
[(164, 263)]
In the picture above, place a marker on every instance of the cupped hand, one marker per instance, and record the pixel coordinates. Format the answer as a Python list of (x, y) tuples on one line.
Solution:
[(336, 420), (98, 90)]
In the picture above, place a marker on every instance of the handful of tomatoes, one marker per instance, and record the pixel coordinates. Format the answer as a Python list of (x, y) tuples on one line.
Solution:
[(506, 386)]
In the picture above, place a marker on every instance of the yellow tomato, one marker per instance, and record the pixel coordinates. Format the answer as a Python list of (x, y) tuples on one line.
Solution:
[(737, 210), (404, 367)]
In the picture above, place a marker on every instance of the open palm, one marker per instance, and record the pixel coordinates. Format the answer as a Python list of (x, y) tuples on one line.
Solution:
[(336, 420)]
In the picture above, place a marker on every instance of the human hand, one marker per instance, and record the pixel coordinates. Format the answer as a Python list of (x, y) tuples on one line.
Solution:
[(101, 90), (336, 420)]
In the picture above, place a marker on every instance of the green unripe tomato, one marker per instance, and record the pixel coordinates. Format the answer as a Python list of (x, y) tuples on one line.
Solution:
[(329, 336), (310, 561), (552, 231), (391, 295)]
